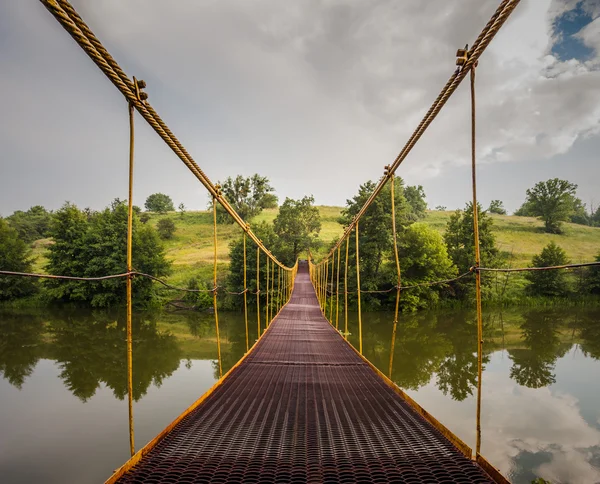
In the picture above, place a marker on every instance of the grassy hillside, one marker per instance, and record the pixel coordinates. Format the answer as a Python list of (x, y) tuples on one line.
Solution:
[(191, 249)]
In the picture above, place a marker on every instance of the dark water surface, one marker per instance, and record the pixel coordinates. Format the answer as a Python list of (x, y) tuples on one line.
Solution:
[(63, 385)]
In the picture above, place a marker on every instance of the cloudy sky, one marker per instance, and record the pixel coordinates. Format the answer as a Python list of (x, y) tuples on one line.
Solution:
[(317, 95)]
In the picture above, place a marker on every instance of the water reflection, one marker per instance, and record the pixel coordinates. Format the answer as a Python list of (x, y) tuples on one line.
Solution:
[(541, 394)]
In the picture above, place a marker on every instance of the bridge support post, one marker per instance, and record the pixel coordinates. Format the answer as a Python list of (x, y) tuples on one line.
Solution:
[(358, 293), (129, 281)]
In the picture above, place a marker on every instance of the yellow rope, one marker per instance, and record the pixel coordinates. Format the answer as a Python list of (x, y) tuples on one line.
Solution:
[(129, 288), (337, 291), (258, 289), (360, 345), (245, 296), (267, 298), (477, 264), (331, 298), (346, 291), (272, 291), (215, 286)]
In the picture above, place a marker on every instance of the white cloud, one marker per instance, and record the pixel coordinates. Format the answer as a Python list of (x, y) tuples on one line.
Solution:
[(326, 90)]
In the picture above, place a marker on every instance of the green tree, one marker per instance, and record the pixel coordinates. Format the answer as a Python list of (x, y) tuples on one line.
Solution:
[(160, 203), (297, 225), (553, 202), (592, 278), (580, 215), (165, 228), (14, 257), (98, 248), (415, 196), (496, 206), (181, 209), (31, 225), (595, 217), (461, 244), (264, 232), (375, 229), (247, 195), (550, 282), (423, 258)]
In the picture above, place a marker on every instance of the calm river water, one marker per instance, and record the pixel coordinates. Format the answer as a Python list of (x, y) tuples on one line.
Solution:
[(63, 384)]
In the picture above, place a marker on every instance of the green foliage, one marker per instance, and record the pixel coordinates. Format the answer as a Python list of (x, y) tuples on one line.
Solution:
[(580, 215), (595, 217), (496, 206), (160, 203), (552, 282), (165, 228), (14, 257), (592, 278), (553, 202), (248, 196), (235, 281), (200, 300), (97, 248), (297, 225), (440, 208), (415, 196), (181, 208), (423, 258), (31, 225), (461, 244), (375, 229)]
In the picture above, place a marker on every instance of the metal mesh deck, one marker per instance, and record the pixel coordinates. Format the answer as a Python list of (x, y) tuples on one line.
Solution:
[(304, 407)]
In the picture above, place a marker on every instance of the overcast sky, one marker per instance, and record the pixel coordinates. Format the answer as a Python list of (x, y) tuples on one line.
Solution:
[(316, 95)]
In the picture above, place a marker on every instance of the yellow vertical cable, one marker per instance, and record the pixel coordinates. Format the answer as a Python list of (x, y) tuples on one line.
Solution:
[(331, 298), (358, 293), (129, 289), (267, 301), (258, 289), (325, 290), (477, 264), (272, 290), (346, 290), (245, 295), (337, 291), (215, 285), (277, 306), (398, 273)]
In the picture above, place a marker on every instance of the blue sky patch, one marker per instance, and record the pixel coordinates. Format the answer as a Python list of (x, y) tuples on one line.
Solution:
[(565, 27)]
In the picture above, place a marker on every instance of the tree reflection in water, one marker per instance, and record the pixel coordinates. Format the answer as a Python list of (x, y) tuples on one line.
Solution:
[(21, 341), (533, 366)]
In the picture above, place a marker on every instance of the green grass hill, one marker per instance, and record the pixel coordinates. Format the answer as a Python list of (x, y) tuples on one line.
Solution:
[(191, 248)]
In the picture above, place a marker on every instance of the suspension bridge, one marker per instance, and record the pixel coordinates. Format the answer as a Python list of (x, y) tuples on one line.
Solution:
[(302, 405)]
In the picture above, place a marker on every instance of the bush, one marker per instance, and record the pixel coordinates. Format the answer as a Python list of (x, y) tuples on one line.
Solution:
[(14, 257), (552, 282), (165, 228), (159, 202)]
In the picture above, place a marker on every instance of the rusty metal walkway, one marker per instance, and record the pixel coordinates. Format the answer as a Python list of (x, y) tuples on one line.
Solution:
[(303, 406)]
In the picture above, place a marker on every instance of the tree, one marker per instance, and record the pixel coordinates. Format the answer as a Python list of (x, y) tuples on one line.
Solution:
[(580, 215), (159, 202), (31, 225), (375, 228), (248, 196), (423, 258), (592, 278), (297, 225), (98, 248), (165, 228), (14, 257), (551, 282), (496, 206), (461, 243), (595, 217), (553, 202), (181, 209), (440, 208), (415, 196)]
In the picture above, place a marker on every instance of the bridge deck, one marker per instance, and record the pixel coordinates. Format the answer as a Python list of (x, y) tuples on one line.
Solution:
[(303, 406)]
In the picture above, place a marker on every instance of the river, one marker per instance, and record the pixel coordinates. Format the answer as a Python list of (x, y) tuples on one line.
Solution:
[(63, 384)]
